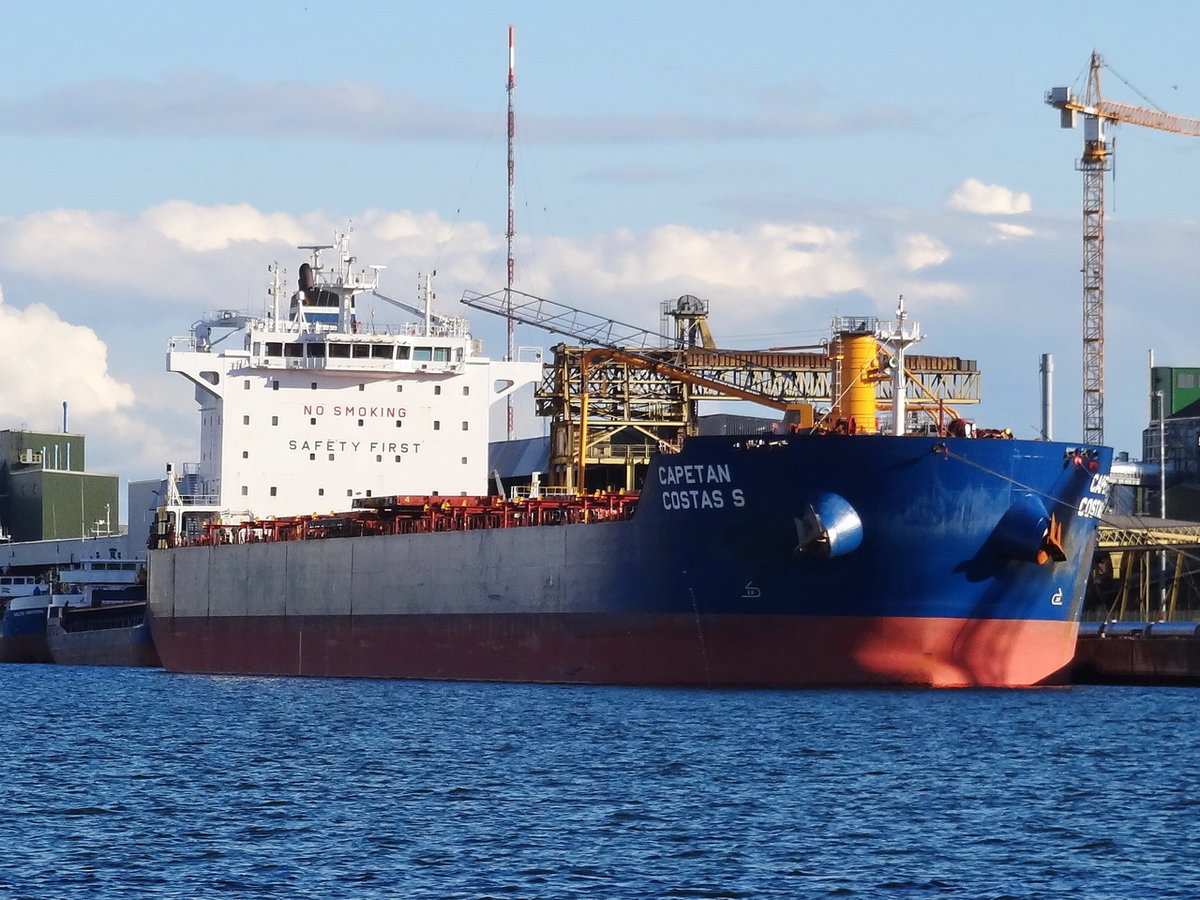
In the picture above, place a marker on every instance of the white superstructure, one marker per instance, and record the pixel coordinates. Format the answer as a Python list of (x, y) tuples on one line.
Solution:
[(306, 408), (83, 583)]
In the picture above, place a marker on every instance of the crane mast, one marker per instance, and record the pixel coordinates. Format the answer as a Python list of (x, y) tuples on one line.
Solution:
[(1098, 115)]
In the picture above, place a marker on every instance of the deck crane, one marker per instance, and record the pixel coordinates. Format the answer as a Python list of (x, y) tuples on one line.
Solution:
[(623, 380), (1098, 116)]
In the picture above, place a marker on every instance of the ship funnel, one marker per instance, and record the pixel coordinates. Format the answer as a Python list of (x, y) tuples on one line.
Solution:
[(857, 354)]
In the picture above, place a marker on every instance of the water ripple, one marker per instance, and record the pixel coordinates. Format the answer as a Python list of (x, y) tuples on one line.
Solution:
[(193, 787)]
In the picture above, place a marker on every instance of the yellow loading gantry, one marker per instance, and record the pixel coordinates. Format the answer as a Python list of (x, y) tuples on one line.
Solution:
[(634, 392), (1145, 570)]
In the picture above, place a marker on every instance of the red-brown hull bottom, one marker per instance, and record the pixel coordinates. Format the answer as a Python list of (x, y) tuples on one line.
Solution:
[(752, 650)]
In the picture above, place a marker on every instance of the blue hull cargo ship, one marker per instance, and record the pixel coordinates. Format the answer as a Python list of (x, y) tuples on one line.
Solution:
[(800, 558)]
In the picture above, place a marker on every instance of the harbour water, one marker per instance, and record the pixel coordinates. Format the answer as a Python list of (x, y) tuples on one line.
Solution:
[(134, 783)]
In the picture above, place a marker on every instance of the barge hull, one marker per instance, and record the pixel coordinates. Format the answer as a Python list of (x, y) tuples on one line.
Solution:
[(131, 646), (1137, 661)]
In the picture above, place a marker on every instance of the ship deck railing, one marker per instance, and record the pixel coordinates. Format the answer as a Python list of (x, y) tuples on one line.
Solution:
[(423, 515), (199, 499), (541, 492)]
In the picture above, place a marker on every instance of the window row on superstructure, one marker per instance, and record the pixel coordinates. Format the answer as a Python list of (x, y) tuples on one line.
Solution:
[(437, 423), (350, 492), (110, 566), (390, 447), (437, 388), (356, 350)]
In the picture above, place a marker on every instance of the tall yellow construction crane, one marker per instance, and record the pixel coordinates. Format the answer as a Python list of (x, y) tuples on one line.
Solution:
[(1098, 115)]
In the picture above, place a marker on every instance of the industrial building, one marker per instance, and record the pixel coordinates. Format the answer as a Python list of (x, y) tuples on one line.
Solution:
[(1173, 437), (45, 493)]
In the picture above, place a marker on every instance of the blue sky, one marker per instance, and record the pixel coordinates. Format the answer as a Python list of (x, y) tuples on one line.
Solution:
[(787, 161)]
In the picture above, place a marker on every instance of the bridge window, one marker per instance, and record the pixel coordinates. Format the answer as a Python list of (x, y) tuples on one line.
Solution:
[(293, 351), (422, 354), (339, 351), (441, 354), (383, 351), (274, 348)]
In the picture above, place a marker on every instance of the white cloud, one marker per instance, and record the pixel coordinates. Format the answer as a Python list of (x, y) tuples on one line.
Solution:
[(764, 267), (45, 362), (203, 228), (919, 251), (974, 196), (213, 257), (1007, 231)]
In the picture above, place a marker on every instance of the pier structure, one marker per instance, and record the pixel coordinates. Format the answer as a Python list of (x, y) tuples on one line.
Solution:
[(1141, 615)]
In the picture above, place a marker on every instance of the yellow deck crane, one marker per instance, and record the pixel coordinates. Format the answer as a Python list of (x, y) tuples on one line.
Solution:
[(637, 381), (1099, 115)]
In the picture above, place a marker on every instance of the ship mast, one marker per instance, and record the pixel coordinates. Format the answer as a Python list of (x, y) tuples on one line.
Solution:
[(512, 132), (276, 294), (898, 336), (426, 288)]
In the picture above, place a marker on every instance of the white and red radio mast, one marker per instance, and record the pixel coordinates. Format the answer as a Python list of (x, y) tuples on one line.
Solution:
[(512, 133)]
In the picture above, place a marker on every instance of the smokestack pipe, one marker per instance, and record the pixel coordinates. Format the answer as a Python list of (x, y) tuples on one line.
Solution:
[(1047, 370)]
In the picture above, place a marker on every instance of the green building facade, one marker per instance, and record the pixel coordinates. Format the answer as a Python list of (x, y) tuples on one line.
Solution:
[(45, 494), (1180, 387)]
